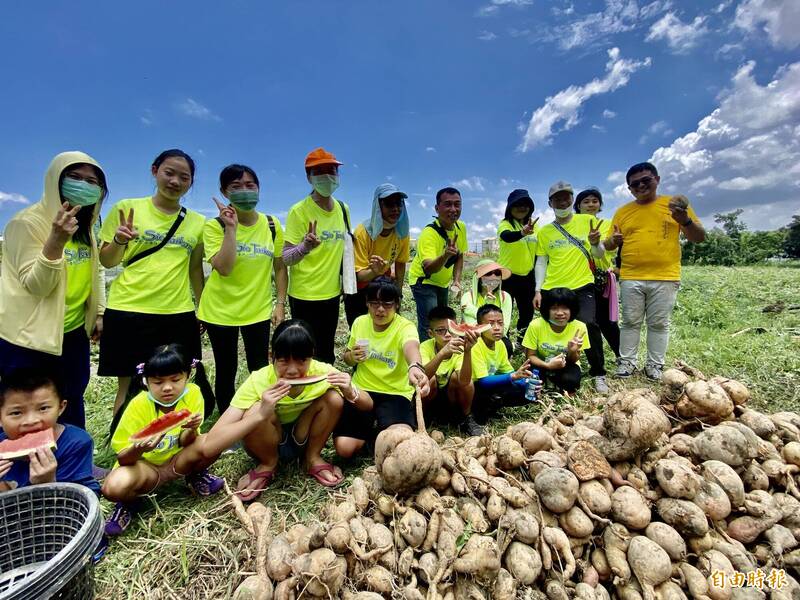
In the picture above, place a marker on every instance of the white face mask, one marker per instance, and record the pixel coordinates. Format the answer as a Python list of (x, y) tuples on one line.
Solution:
[(490, 283), (562, 212), (171, 404)]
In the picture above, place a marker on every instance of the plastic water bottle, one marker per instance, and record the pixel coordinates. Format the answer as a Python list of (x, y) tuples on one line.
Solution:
[(531, 385)]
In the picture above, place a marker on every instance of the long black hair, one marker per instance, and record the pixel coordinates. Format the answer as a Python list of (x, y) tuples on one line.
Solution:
[(293, 340), (86, 214), (169, 359), (175, 153)]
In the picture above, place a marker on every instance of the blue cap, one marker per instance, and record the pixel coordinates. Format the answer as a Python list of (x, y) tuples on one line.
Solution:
[(385, 190), (518, 195)]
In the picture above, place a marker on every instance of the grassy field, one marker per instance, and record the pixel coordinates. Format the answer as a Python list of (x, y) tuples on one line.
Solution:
[(184, 547)]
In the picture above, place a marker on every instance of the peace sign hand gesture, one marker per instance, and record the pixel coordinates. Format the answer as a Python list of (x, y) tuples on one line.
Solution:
[(451, 248), (126, 230), (616, 236), (66, 222), (527, 229), (575, 344), (594, 232), (227, 214), (311, 240)]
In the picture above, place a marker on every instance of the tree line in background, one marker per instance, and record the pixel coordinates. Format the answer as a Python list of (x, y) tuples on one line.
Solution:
[(731, 243)]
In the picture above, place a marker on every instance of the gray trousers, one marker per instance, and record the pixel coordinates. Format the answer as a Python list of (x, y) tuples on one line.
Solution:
[(649, 302)]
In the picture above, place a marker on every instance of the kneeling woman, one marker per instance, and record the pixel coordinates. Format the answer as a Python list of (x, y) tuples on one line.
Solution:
[(304, 416), (553, 342), (384, 348)]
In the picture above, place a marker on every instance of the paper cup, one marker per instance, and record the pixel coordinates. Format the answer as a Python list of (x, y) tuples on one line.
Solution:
[(363, 344)]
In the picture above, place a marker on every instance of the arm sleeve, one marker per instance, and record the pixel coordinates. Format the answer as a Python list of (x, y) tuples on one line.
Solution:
[(37, 274), (511, 236), (493, 382), (540, 271), (293, 253)]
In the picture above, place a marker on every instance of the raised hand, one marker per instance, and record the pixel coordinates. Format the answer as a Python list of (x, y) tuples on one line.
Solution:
[(65, 223), (278, 390), (527, 229), (616, 236), (227, 214), (451, 248), (575, 344), (455, 345), (523, 372), (311, 240), (470, 339), (594, 232), (126, 230), (679, 208), (377, 264), (43, 466)]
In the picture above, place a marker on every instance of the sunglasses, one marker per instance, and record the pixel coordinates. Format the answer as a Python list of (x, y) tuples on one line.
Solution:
[(493, 273), (643, 182), (378, 303)]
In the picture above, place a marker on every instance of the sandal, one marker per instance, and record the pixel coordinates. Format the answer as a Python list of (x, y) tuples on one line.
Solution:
[(256, 482), (316, 471)]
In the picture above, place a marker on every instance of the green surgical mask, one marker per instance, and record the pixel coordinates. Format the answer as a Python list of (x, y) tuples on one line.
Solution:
[(244, 199), (80, 193), (325, 185)]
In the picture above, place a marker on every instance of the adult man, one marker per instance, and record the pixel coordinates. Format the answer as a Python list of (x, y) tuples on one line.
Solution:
[(439, 259), (564, 259), (650, 227)]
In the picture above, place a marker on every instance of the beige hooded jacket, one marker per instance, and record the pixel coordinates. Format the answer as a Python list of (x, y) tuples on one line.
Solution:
[(32, 287)]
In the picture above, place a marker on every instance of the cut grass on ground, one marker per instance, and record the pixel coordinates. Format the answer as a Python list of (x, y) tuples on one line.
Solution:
[(183, 547)]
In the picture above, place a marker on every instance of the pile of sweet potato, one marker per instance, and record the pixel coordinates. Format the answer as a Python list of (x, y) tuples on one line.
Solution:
[(644, 500)]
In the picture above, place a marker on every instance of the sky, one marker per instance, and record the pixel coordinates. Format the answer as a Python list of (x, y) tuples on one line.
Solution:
[(485, 95)]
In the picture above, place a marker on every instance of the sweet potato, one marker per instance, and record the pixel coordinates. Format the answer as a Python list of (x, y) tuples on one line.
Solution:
[(467, 590), (758, 422), (413, 527), (321, 572), (740, 558), (338, 537), (677, 479), (450, 529), (713, 501), (594, 495), (685, 516), (279, 558), (754, 478), (681, 444), (406, 461), (575, 523), (510, 453), (632, 424), (600, 564), (630, 508), (674, 380), (545, 459), (616, 539), (710, 562), (473, 514), (285, 590), (668, 538), (584, 591), (428, 566), (495, 507), (724, 444), (557, 489), (505, 586), (694, 581), (705, 401), (723, 475), (555, 590), (649, 562), (791, 453), (254, 588), (360, 494), (532, 437), (523, 562), (380, 538), (587, 462), (560, 545), (669, 591), (480, 558), (780, 539), (378, 579), (736, 390)]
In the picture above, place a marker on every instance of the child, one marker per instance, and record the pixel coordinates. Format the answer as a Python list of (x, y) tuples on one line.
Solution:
[(305, 414), (554, 341), (385, 348), (496, 381), (30, 401), (146, 464), (448, 364), (487, 281)]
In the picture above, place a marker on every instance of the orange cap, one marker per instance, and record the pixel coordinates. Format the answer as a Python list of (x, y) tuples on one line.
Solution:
[(320, 156)]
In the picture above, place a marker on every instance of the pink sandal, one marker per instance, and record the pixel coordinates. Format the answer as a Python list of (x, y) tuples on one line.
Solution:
[(257, 481), (316, 471)]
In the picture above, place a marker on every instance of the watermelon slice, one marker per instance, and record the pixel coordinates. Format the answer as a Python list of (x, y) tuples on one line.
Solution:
[(26, 444), (460, 329), (163, 424), (307, 380)]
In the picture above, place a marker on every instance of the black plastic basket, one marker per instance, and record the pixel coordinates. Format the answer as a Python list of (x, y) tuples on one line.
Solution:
[(48, 533)]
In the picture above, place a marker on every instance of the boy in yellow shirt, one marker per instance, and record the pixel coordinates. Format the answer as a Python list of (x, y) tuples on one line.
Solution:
[(649, 230)]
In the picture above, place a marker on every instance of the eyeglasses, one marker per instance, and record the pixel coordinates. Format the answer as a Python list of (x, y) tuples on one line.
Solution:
[(378, 303), (643, 182)]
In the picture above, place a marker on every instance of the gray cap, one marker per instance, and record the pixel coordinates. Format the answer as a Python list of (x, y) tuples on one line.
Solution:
[(559, 186), (385, 190)]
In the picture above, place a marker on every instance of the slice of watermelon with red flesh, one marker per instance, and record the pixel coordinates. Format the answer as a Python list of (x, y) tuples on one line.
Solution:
[(307, 380), (163, 424), (26, 444), (460, 329)]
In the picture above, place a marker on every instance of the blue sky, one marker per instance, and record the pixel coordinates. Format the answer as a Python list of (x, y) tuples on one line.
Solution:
[(488, 95)]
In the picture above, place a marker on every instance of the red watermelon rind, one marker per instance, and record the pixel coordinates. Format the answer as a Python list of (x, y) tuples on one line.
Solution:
[(163, 424), (459, 329), (23, 446), (307, 380)]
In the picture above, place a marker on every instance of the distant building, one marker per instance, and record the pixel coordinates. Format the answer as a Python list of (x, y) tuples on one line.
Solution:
[(489, 246)]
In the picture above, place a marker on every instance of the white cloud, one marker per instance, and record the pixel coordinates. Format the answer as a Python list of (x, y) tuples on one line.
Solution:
[(494, 6), (147, 118), (648, 11), (746, 153), (599, 128), (722, 6), (430, 149), (423, 203), (192, 108), (618, 16), (780, 19), (487, 36), (609, 114), (415, 230), (565, 105), (9, 197), (657, 128), (680, 37), (566, 11), (471, 184)]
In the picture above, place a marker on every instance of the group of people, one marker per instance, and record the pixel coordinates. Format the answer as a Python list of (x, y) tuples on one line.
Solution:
[(53, 302)]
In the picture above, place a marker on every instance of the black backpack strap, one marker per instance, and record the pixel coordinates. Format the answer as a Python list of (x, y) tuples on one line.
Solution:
[(221, 222), (271, 223), (175, 224), (443, 233), (346, 218)]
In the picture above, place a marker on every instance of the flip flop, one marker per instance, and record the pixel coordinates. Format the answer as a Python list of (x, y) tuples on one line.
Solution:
[(324, 467), (258, 480)]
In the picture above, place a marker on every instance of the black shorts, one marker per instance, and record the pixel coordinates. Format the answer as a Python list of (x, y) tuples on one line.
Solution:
[(388, 409), (130, 338)]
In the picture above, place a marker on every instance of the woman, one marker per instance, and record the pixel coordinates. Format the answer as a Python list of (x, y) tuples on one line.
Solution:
[(486, 286), (590, 202), (380, 246), (314, 251), (244, 248), (160, 246), (52, 296), (517, 235)]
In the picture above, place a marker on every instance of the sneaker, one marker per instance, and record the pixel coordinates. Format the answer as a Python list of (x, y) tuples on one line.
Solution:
[(625, 370), (119, 520), (204, 483), (471, 427), (653, 372), (600, 385)]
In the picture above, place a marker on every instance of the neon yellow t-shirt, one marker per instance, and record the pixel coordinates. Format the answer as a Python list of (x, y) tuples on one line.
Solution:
[(78, 258), (430, 246), (486, 361), (141, 411), (541, 338), (607, 261), (651, 248), (289, 407), (517, 256), (567, 266), (159, 283), (385, 370), (318, 275), (390, 248), (427, 351), (245, 295)]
